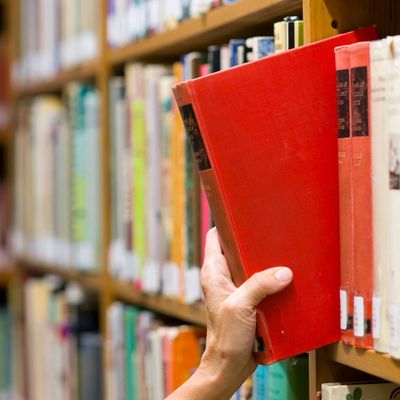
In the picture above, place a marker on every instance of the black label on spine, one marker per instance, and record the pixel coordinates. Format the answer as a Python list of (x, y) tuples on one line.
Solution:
[(196, 141), (359, 101), (342, 89)]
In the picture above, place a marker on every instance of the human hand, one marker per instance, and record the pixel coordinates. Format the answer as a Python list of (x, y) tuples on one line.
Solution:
[(231, 325)]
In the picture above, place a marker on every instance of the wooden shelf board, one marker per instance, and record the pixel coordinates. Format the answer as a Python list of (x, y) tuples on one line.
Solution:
[(217, 25), (88, 70), (193, 314), (6, 274), (90, 281), (369, 361)]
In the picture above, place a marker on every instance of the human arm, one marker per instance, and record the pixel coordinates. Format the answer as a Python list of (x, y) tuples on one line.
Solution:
[(231, 324)]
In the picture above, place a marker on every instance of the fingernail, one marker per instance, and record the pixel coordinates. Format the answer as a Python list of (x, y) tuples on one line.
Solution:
[(284, 274)]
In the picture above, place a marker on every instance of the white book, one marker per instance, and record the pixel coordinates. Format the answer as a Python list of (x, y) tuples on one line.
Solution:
[(156, 338), (364, 391), (380, 192), (393, 128)]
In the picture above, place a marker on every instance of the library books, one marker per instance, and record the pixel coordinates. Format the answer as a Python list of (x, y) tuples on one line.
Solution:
[(286, 212), (58, 192), (64, 347), (353, 391), (284, 380), (55, 35), (128, 21), (6, 354), (160, 213), (146, 358), (372, 146)]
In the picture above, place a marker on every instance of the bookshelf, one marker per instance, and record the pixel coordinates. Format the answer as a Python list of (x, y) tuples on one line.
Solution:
[(322, 18)]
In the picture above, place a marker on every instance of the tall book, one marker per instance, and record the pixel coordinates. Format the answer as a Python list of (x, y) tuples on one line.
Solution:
[(286, 211), (342, 58), (380, 192), (362, 193), (393, 127)]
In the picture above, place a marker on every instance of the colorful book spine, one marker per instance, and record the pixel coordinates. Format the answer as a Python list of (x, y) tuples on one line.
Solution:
[(342, 58), (362, 193)]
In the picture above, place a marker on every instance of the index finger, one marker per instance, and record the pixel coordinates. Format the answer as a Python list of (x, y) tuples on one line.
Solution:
[(213, 245)]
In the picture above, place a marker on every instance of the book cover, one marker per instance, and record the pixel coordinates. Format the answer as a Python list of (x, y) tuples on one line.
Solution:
[(272, 183), (342, 59)]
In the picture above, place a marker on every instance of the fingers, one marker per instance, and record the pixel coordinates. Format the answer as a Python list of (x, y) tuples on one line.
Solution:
[(212, 243), (262, 284), (216, 279)]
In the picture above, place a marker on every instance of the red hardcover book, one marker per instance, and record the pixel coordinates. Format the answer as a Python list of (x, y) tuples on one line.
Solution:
[(264, 135), (362, 194), (342, 57)]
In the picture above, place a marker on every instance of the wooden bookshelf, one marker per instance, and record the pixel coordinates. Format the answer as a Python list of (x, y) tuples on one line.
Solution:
[(89, 281), (85, 71), (322, 18), (193, 314), (215, 27), (369, 361)]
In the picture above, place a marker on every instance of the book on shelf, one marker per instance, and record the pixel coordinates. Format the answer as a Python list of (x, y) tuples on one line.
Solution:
[(147, 358), (160, 213), (286, 212), (64, 346), (368, 171), (284, 380), (365, 390), (58, 190)]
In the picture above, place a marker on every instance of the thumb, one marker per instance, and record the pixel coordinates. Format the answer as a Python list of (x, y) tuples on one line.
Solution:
[(262, 284)]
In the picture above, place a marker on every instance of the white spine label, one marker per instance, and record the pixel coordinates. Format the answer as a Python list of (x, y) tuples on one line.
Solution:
[(376, 317), (358, 316), (343, 310)]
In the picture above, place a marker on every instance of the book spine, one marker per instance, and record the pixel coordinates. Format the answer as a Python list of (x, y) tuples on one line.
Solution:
[(362, 193), (380, 193), (345, 193), (393, 127), (198, 140)]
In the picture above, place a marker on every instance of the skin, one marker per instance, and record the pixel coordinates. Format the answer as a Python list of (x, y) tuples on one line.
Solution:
[(231, 323)]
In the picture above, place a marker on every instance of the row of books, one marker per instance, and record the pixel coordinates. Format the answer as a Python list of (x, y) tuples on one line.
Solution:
[(148, 359), (284, 380), (57, 179), (129, 20), (368, 88), (160, 214), (63, 343), (55, 34)]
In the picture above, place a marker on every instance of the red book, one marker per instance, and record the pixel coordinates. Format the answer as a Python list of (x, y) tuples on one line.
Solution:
[(362, 194), (342, 57), (264, 135)]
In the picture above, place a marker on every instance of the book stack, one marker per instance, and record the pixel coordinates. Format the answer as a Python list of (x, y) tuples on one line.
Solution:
[(57, 190), (64, 347), (128, 21), (147, 359), (369, 170), (55, 35)]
